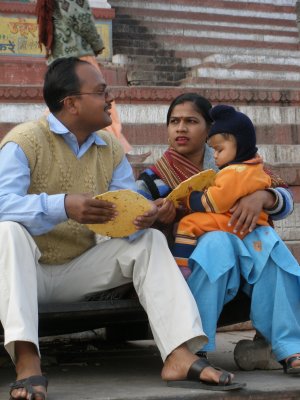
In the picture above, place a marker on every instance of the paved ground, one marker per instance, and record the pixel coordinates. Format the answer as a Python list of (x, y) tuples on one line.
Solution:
[(96, 370)]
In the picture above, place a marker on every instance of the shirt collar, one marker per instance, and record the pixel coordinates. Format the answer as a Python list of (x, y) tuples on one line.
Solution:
[(60, 129)]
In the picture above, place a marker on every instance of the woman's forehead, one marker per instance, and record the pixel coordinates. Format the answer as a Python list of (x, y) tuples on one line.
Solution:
[(186, 108)]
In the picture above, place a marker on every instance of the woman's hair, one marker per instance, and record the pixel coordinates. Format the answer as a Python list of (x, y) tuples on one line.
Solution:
[(44, 11), (61, 80), (201, 104)]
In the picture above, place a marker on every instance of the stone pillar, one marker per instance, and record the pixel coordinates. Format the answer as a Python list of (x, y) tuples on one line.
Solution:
[(99, 4)]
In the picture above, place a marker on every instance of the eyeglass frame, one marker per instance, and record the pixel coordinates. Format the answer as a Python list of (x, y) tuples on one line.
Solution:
[(100, 93)]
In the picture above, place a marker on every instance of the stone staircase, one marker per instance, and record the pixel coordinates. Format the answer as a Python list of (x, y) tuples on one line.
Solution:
[(231, 51), (228, 43), (236, 52)]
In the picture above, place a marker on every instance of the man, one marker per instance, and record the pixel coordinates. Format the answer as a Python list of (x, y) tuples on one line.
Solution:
[(49, 171)]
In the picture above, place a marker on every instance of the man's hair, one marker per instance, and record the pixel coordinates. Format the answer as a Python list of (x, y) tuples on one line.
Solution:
[(201, 104), (61, 80)]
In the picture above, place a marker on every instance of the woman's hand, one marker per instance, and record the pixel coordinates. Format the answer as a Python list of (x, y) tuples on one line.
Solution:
[(246, 210), (166, 211)]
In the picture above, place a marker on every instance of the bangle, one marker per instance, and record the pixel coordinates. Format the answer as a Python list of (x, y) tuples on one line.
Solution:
[(277, 204)]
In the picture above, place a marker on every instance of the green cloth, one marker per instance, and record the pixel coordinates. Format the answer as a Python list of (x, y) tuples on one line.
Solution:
[(75, 33)]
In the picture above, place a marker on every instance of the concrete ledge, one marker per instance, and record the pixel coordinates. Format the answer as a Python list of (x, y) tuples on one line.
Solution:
[(155, 109)]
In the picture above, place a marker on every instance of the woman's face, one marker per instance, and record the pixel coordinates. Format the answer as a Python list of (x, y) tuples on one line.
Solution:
[(187, 130)]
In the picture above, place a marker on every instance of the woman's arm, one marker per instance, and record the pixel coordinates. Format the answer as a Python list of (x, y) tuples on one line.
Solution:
[(278, 202)]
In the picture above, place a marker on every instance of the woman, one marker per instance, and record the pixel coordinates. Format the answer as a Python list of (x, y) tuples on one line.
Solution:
[(67, 29), (221, 261)]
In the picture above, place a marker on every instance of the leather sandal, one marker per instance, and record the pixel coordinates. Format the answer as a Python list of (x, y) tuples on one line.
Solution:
[(287, 365), (193, 380), (28, 384)]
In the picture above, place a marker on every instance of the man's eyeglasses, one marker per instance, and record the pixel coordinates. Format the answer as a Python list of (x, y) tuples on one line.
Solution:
[(99, 93)]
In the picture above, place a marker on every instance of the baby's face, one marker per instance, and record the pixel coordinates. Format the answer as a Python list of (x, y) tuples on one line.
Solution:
[(224, 148)]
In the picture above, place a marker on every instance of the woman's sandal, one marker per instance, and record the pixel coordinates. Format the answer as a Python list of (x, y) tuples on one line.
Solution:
[(193, 380), (27, 384), (287, 365)]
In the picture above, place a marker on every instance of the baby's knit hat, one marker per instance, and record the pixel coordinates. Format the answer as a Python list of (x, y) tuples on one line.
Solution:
[(227, 120)]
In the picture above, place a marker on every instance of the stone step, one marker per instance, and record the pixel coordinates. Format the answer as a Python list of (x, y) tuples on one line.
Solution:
[(31, 71), (232, 60), (245, 74), (280, 11), (272, 2), (279, 156), (146, 22), (288, 229), (167, 42), (229, 84), (154, 26), (266, 134), (140, 134), (278, 99), (216, 60), (194, 53), (283, 159), (207, 14), (159, 78), (218, 32), (143, 106)]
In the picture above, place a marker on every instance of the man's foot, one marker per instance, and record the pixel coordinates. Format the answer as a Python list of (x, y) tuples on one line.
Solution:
[(29, 388), (27, 365), (179, 362)]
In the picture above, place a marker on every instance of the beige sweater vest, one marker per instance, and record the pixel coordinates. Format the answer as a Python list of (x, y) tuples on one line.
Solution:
[(55, 169)]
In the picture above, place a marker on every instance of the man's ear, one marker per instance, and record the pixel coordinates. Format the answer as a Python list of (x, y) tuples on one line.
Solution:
[(71, 105)]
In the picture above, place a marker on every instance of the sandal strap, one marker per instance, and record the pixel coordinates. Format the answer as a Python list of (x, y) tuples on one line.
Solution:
[(28, 383), (290, 360), (225, 378), (196, 368)]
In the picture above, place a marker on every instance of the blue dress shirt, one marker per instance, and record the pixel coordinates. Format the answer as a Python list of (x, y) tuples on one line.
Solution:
[(39, 213)]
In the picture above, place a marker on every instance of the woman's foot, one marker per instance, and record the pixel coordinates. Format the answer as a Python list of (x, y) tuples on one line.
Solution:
[(179, 362), (291, 364)]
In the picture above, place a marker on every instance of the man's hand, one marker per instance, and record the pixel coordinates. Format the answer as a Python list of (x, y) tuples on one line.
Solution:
[(166, 211), (246, 211), (146, 220), (86, 210)]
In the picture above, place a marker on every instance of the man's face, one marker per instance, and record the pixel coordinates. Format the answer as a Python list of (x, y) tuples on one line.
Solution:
[(94, 100)]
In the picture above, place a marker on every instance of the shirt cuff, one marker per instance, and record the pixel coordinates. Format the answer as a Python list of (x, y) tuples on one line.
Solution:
[(56, 207)]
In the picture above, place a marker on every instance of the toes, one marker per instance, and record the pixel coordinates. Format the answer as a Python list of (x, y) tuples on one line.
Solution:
[(210, 374), (19, 394)]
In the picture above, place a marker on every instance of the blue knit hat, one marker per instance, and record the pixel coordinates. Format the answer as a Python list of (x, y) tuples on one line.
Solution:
[(227, 120)]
